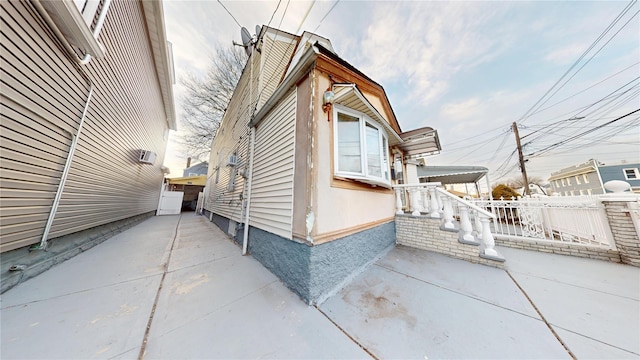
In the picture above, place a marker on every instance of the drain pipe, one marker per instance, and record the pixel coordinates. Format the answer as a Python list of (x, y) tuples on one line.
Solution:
[(63, 178), (74, 138), (245, 234)]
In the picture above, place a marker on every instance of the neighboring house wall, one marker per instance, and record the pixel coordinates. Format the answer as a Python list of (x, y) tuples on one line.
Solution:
[(43, 95), (629, 173), (195, 170), (582, 179)]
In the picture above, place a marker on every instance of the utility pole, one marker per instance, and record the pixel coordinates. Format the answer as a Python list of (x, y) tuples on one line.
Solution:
[(521, 158)]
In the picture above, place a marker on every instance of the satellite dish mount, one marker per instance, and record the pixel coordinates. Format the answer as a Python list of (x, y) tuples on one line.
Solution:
[(248, 41)]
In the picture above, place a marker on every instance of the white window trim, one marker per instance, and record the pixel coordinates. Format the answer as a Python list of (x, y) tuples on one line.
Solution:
[(362, 177), (635, 172)]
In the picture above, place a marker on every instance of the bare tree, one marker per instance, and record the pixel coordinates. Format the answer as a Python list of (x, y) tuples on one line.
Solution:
[(206, 99), (516, 182)]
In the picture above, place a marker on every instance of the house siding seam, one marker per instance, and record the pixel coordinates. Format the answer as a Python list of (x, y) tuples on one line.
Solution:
[(272, 187), (43, 95)]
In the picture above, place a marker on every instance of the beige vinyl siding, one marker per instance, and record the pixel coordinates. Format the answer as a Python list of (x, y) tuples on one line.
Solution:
[(43, 94), (233, 134), (272, 188), (274, 65)]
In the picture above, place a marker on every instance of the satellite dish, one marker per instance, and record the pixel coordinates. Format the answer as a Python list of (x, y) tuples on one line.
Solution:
[(246, 37), (246, 40), (258, 29)]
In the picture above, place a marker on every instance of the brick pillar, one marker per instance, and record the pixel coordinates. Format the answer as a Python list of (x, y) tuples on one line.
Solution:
[(621, 211)]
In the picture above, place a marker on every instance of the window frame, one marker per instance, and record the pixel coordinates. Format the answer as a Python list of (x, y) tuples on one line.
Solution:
[(363, 120), (636, 174)]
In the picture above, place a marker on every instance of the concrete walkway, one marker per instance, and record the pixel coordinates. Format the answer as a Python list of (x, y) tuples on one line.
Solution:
[(177, 287)]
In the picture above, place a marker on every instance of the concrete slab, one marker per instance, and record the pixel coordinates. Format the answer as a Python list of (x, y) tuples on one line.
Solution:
[(608, 277), (484, 283), (607, 318), (134, 254), (394, 315), (586, 348), (96, 323), (269, 323)]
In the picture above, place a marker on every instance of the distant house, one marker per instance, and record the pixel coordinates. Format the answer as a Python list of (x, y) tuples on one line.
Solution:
[(87, 105), (588, 178), (197, 169), (306, 155)]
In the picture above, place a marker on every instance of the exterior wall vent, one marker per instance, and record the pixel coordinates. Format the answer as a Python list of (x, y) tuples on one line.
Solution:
[(147, 157), (232, 160)]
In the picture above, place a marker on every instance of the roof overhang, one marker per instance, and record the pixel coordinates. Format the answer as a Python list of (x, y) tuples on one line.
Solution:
[(420, 142), (348, 95), (162, 57), (452, 174)]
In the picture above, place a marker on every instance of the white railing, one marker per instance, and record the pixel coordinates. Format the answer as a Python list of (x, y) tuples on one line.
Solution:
[(429, 199), (576, 219)]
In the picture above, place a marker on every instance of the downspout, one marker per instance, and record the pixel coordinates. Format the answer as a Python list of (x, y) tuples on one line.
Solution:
[(245, 234), (74, 142), (63, 178)]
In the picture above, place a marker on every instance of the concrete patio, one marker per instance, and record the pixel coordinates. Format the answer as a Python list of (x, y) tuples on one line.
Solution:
[(177, 287)]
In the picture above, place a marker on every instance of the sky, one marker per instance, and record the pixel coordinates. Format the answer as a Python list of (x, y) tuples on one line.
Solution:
[(466, 69)]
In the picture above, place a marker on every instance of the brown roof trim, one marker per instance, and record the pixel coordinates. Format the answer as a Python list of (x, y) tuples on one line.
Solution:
[(334, 65)]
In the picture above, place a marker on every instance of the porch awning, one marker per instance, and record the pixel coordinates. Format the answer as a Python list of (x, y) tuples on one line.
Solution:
[(200, 180), (451, 174), (420, 142)]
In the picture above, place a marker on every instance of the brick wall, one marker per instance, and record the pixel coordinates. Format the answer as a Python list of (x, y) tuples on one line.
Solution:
[(423, 232), (549, 246), (624, 231)]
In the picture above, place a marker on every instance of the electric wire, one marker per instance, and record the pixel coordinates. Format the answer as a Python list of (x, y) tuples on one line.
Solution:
[(607, 29), (305, 16), (229, 12), (325, 15)]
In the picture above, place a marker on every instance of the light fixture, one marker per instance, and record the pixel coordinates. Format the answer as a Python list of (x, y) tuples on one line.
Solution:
[(327, 102)]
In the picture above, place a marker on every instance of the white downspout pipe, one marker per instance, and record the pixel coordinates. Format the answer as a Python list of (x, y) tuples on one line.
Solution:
[(65, 173), (245, 234)]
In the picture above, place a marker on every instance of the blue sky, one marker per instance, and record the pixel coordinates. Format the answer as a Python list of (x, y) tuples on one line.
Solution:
[(467, 69)]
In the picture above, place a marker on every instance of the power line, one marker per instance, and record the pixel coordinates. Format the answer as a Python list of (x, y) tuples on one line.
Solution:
[(325, 15), (615, 21), (229, 12), (272, 15), (305, 16)]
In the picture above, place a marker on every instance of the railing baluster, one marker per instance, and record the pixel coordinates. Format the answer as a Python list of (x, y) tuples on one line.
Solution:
[(488, 241), (465, 224), (425, 203), (435, 209), (399, 202), (478, 224), (415, 206), (447, 213)]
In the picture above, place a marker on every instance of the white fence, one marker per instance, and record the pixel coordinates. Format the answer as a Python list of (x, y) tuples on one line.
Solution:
[(576, 219)]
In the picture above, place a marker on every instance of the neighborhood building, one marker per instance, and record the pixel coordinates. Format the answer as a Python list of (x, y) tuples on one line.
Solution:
[(87, 105), (301, 168), (589, 178), (195, 170)]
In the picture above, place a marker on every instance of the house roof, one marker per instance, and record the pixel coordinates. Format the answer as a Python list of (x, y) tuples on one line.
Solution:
[(452, 174)]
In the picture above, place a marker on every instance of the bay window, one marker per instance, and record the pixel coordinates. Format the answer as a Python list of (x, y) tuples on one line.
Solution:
[(361, 148)]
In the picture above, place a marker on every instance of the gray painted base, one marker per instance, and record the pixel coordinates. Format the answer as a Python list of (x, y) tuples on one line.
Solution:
[(312, 272), (58, 250), (315, 271)]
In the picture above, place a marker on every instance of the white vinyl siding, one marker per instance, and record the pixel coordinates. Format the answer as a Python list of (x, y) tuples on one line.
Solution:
[(43, 95), (272, 188), (273, 65)]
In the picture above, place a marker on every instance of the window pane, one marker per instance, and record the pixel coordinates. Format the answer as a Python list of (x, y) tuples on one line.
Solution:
[(349, 157), (374, 167), (385, 158)]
